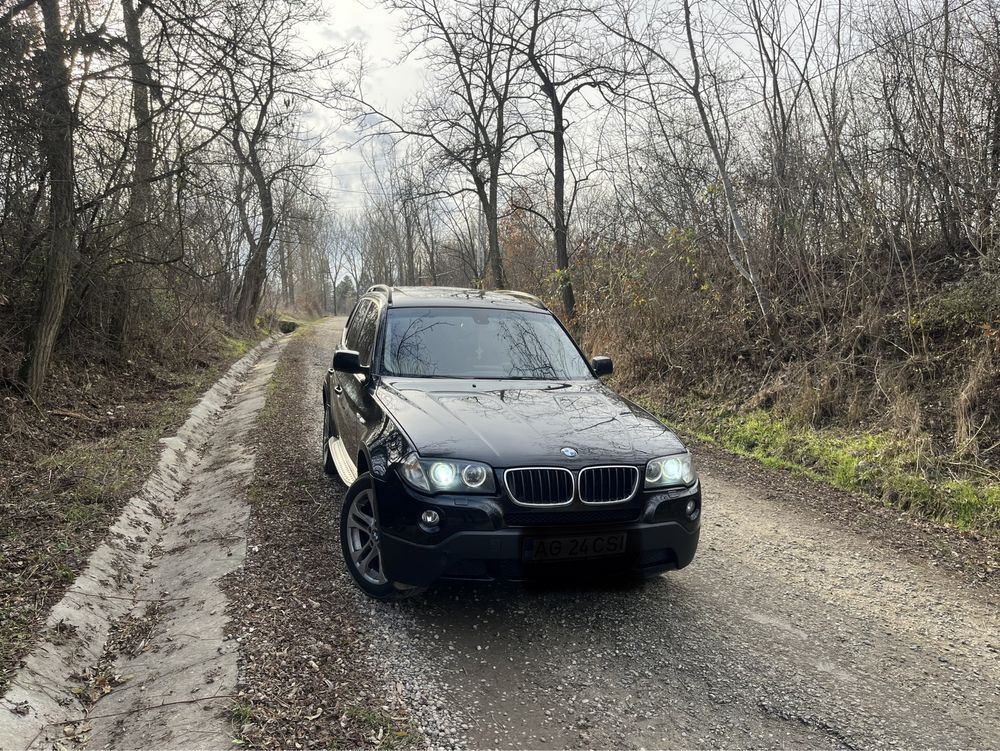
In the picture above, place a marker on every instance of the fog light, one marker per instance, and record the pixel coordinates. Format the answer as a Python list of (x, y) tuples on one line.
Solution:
[(691, 510), (430, 518)]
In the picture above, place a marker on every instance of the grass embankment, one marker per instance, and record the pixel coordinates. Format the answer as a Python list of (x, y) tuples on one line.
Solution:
[(69, 464), (898, 472), (894, 392)]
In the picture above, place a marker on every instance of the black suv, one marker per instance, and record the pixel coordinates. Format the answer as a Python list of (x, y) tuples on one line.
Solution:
[(478, 443)]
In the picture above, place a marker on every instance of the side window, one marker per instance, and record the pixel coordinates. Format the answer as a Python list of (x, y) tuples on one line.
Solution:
[(366, 333), (351, 335)]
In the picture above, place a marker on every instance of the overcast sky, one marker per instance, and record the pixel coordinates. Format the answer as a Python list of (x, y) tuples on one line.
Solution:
[(389, 80)]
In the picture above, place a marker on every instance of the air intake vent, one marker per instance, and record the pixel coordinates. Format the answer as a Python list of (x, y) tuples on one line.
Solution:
[(566, 517), (608, 484)]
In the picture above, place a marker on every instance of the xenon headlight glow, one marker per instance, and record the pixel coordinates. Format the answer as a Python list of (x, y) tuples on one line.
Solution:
[(442, 475), (666, 471), (446, 475), (474, 475)]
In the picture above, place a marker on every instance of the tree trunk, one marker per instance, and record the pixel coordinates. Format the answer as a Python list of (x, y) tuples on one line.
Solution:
[(493, 249), (410, 249), (431, 263), (493, 232), (57, 146), (557, 105), (559, 207), (287, 295), (252, 287), (992, 189), (142, 174), (255, 274)]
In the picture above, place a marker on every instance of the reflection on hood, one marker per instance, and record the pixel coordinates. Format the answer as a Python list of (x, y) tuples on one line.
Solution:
[(518, 423)]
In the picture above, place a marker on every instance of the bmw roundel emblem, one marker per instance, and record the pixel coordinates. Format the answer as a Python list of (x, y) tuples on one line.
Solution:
[(568, 452)]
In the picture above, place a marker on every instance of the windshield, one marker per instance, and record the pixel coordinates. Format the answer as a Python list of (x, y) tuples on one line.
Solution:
[(478, 343)]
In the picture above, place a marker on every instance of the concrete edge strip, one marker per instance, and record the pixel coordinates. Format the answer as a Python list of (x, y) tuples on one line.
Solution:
[(78, 626)]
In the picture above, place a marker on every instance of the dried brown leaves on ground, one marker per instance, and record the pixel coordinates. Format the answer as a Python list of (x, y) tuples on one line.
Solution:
[(304, 682)]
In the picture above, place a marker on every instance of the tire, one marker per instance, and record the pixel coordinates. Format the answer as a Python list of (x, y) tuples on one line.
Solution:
[(359, 543), (329, 466)]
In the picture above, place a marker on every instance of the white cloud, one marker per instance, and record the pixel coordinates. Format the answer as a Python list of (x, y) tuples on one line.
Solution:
[(390, 80)]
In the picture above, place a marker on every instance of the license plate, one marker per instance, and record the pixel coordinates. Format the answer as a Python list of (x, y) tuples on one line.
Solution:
[(561, 548)]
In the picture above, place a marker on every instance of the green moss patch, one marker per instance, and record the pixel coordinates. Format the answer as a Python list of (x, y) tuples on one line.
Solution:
[(889, 467)]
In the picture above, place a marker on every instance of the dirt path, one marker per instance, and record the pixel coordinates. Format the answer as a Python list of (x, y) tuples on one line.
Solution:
[(790, 629), (134, 656)]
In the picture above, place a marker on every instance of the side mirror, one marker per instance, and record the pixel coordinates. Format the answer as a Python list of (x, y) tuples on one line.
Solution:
[(348, 361), (603, 366)]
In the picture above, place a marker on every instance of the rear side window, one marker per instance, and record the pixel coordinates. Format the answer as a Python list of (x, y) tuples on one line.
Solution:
[(353, 333), (366, 333)]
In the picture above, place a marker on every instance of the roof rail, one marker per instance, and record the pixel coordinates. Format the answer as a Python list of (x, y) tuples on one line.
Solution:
[(382, 288), (522, 295)]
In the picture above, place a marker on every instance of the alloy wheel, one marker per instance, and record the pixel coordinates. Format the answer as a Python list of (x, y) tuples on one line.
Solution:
[(362, 539)]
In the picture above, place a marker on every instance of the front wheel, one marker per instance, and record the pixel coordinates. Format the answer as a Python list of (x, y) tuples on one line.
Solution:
[(359, 538)]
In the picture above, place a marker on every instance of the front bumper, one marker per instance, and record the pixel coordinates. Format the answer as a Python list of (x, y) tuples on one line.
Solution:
[(483, 537)]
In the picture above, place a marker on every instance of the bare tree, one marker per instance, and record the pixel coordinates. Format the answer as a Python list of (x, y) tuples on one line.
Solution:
[(57, 146), (151, 118), (263, 83), (557, 40), (741, 252), (466, 116), (137, 215)]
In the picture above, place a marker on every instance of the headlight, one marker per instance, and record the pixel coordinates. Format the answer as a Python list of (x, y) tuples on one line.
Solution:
[(675, 469), (446, 475), (411, 471)]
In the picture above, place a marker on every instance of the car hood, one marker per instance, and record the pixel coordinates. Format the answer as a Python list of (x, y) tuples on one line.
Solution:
[(524, 423)]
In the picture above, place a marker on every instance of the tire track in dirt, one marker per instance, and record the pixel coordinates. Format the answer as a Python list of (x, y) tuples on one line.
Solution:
[(135, 652)]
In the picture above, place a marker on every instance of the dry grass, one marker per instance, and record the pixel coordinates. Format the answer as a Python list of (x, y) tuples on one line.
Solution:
[(921, 372), (977, 405)]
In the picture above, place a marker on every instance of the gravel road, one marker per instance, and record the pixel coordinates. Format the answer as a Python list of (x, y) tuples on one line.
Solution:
[(789, 629), (808, 619)]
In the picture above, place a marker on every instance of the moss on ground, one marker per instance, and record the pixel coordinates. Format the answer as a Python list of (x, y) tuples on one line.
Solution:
[(235, 347), (383, 729), (958, 312), (279, 377), (897, 471)]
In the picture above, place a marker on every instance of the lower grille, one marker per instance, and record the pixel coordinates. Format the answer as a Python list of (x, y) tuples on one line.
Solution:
[(608, 484), (540, 486), (569, 518)]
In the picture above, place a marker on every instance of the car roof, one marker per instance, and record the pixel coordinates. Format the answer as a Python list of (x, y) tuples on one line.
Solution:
[(441, 297)]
